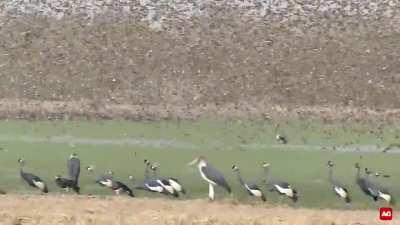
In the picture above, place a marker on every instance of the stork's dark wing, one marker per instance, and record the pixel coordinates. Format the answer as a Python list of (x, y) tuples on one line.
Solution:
[(74, 168), (213, 174), (63, 182)]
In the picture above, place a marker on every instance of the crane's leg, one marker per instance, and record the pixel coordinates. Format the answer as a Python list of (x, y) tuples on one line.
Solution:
[(281, 197), (211, 192)]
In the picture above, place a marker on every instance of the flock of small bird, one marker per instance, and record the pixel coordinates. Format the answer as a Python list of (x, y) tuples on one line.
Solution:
[(172, 187)]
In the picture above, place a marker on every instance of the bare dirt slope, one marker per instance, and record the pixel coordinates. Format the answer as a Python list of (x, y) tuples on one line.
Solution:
[(190, 57), (119, 210)]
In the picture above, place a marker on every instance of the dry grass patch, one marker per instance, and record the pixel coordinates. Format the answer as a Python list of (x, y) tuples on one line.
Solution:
[(119, 210)]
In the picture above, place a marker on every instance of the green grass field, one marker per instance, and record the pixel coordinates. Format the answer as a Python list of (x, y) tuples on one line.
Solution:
[(121, 146)]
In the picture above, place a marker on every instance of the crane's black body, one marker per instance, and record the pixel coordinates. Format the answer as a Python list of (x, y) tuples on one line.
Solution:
[(250, 187), (67, 184), (281, 187), (149, 183), (105, 180), (31, 179), (365, 186), (119, 188), (339, 189), (372, 189), (164, 182), (176, 185)]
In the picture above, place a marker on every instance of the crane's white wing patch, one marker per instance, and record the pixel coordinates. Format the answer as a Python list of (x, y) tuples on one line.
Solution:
[(39, 184), (384, 196), (107, 183), (286, 191), (175, 185), (254, 192), (155, 189), (167, 187), (340, 191)]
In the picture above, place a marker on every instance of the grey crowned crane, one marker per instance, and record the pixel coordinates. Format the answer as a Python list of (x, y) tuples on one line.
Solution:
[(66, 184), (211, 175), (339, 189), (107, 180), (281, 139), (120, 188), (103, 180), (173, 182), (32, 180), (374, 190), (251, 188), (149, 184), (163, 182), (281, 187)]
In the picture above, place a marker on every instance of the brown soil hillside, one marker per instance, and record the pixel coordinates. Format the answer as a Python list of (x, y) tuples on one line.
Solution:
[(290, 56)]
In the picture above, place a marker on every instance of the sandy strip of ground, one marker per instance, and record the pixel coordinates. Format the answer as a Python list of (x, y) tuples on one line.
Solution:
[(52, 210), (43, 109)]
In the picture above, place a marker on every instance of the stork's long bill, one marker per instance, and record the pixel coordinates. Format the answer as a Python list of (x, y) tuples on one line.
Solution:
[(198, 160), (194, 162)]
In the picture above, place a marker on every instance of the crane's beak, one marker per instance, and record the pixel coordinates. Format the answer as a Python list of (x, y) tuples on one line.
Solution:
[(193, 162)]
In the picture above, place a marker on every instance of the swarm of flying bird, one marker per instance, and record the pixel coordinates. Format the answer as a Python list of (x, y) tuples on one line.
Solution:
[(153, 182)]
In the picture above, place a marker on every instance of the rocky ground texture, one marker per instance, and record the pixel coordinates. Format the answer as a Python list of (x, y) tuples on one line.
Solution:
[(187, 58)]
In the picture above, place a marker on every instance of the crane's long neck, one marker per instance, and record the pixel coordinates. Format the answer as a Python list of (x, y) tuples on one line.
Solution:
[(367, 174), (155, 174), (21, 168), (239, 176), (330, 174), (146, 172), (358, 173), (266, 173)]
